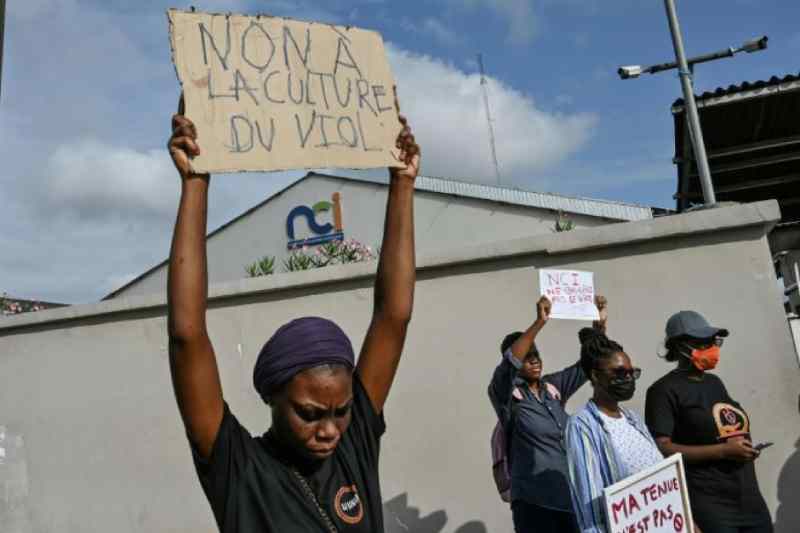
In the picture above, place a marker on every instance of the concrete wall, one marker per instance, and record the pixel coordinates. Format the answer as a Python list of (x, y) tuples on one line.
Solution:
[(441, 220), (88, 387)]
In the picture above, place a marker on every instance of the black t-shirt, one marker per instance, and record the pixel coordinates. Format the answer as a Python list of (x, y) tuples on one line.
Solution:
[(697, 413), (252, 488)]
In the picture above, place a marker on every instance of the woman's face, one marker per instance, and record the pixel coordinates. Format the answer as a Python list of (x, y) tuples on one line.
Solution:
[(531, 370), (615, 377), (616, 366), (313, 411)]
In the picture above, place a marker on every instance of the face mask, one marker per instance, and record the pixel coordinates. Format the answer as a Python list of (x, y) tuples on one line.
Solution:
[(706, 359), (622, 391)]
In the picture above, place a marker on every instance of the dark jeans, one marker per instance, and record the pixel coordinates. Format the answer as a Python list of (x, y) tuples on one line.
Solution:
[(766, 527), (529, 518)]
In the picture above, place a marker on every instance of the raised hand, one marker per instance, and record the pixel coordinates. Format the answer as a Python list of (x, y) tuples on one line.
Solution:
[(409, 149), (543, 308), (182, 145), (409, 152), (602, 307)]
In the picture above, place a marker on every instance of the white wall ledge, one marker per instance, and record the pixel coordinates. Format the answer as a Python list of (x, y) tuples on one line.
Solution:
[(765, 214)]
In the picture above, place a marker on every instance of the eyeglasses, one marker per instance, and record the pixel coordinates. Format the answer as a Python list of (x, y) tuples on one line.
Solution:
[(622, 374)]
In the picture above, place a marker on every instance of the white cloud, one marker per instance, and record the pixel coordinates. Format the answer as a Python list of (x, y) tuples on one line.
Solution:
[(445, 107), (98, 180)]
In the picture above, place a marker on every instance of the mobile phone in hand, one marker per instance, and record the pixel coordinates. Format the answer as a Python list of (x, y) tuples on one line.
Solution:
[(760, 446)]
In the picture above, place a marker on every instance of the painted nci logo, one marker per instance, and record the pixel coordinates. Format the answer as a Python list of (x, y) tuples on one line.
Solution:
[(322, 233)]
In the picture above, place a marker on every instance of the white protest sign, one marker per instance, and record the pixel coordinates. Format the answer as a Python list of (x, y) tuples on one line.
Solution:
[(655, 500), (268, 93), (572, 293)]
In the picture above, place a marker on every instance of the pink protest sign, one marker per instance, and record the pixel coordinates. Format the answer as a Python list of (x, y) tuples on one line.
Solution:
[(572, 293), (653, 501)]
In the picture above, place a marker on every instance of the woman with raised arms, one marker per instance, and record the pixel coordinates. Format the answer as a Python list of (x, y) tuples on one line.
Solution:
[(316, 468)]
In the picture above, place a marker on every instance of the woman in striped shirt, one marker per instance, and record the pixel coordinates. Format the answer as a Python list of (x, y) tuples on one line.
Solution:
[(605, 442)]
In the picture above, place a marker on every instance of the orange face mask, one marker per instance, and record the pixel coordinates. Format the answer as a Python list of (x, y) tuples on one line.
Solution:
[(706, 359)]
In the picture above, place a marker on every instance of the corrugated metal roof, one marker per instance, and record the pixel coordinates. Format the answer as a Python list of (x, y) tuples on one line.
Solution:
[(745, 88), (554, 202), (752, 139)]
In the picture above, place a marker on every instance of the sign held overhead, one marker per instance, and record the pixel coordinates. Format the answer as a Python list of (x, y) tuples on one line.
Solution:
[(269, 93), (572, 293)]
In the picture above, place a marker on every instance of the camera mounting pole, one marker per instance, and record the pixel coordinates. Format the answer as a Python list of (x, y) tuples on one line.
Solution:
[(685, 71)]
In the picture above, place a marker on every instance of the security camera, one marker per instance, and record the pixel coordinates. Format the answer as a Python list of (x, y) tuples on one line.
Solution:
[(755, 45), (630, 71)]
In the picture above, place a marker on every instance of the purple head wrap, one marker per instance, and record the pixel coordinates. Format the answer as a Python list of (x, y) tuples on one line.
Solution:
[(302, 343)]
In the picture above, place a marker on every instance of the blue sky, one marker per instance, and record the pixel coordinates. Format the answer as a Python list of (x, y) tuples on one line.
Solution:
[(89, 195)]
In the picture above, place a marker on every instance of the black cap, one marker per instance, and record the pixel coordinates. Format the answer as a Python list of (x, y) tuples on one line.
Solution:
[(692, 324)]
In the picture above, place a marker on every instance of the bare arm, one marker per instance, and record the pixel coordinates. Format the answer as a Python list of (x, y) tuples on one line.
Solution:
[(740, 450), (524, 343), (394, 283), (195, 377)]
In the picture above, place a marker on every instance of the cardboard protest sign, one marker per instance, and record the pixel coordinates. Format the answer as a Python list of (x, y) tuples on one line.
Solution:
[(572, 293), (655, 500), (268, 93)]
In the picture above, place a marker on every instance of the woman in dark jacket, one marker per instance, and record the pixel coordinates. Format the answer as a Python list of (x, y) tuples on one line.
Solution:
[(689, 411), (531, 408)]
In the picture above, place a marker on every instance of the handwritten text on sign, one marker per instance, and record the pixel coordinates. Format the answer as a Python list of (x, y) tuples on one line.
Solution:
[(572, 293), (653, 501), (267, 93)]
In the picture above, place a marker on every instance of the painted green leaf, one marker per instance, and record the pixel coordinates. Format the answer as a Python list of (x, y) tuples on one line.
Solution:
[(322, 206)]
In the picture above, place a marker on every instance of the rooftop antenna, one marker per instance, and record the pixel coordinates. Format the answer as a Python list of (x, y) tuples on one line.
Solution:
[(489, 119), (2, 31)]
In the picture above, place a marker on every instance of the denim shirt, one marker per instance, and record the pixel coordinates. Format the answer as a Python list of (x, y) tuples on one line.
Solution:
[(594, 464), (536, 426)]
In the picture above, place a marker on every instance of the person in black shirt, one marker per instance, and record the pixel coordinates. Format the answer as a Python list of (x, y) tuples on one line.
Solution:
[(689, 411), (316, 469), (530, 406)]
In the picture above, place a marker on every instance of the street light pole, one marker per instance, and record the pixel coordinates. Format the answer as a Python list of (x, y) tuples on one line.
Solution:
[(695, 131), (686, 68)]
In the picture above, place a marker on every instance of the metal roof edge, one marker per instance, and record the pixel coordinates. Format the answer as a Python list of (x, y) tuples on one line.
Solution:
[(743, 91), (556, 202)]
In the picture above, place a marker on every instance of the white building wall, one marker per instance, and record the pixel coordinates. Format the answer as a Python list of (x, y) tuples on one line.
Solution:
[(88, 386), (442, 221)]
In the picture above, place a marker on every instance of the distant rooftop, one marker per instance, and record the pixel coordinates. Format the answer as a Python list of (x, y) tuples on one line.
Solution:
[(556, 202), (752, 139), (744, 90), (623, 212)]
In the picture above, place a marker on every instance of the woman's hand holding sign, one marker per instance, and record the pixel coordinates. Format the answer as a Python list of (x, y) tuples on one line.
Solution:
[(182, 145), (409, 152)]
